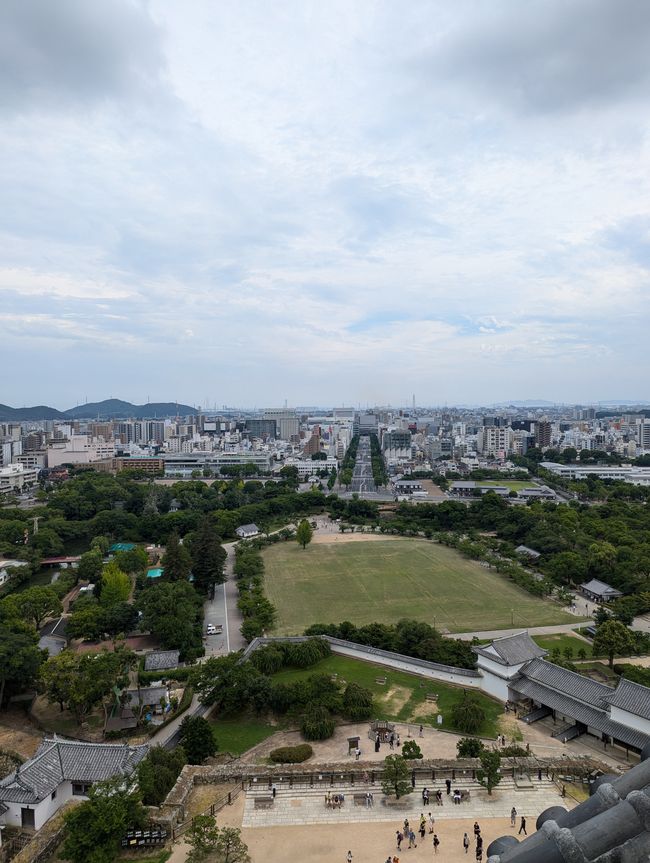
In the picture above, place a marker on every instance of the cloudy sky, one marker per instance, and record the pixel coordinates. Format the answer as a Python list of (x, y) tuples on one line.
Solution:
[(241, 202)]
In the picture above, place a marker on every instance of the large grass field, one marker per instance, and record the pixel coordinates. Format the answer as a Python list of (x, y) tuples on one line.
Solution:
[(512, 484), (386, 580)]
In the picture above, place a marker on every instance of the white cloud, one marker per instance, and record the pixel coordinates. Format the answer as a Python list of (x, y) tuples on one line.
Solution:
[(323, 202)]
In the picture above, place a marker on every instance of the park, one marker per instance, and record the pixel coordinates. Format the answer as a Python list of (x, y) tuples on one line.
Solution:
[(376, 578)]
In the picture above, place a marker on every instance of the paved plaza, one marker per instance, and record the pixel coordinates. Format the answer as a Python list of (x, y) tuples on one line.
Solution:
[(307, 806)]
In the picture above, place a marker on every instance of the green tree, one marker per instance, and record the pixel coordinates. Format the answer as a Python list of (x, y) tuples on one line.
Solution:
[(100, 544), (90, 565), (172, 612), (357, 702), (133, 561), (224, 681), (34, 604), (411, 750), (20, 658), (176, 562), (395, 777), (489, 773), (82, 681), (118, 619), (612, 639), (158, 772), (469, 747), (468, 714), (197, 739), (115, 585), (208, 557), (94, 828), (317, 722), (304, 533), (87, 622), (223, 845)]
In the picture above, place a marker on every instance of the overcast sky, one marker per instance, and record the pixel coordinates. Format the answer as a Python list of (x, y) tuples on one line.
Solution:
[(242, 202)]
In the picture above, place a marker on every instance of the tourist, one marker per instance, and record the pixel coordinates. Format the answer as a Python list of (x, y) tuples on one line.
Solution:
[(432, 821), (457, 797), (349, 857), (423, 825), (400, 838), (448, 784), (479, 854), (371, 799), (436, 843), (406, 827), (426, 797), (395, 859), (539, 774), (273, 790), (412, 842), (413, 779), (439, 797), (477, 829), (479, 841), (466, 842), (513, 816), (522, 826), (357, 754), (398, 741), (391, 740), (422, 731), (377, 744)]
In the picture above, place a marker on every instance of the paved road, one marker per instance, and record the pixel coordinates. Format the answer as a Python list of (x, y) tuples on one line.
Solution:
[(362, 481), (222, 611)]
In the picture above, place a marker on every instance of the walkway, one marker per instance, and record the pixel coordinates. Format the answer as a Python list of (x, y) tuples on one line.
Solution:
[(533, 630), (222, 611)]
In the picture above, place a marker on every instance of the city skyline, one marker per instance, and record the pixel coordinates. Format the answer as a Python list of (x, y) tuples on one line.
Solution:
[(302, 201)]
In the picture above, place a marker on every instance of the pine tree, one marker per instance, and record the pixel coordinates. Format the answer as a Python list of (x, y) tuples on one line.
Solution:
[(176, 561), (208, 557)]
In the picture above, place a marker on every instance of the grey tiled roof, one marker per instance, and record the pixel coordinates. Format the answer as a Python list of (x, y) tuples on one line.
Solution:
[(600, 588), (594, 717), (161, 659), (568, 682), (146, 695), (632, 697), (511, 649), (59, 760)]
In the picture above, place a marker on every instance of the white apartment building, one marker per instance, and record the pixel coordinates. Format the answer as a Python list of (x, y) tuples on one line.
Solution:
[(16, 477), (493, 439), (79, 449)]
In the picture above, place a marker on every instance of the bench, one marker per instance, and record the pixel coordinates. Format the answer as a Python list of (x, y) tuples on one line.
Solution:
[(263, 802), (360, 800), (431, 696), (380, 680), (464, 795)]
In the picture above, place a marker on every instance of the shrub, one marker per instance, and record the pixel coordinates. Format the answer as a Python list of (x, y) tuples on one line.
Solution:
[(468, 713), (469, 747), (317, 723), (268, 660), (513, 751), (410, 749), (292, 754), (306, 653), (357, 702)]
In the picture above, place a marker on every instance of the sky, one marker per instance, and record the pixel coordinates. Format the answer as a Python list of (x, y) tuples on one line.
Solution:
[(324, 202)]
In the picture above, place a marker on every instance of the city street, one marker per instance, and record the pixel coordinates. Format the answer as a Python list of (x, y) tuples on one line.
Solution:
[(362, 481)]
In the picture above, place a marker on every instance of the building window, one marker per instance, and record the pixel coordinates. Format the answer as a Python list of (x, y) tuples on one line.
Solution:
[(53, 794), (81, 789)]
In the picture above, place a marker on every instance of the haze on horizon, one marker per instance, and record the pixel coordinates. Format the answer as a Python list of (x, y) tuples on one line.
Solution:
[(324, 202)]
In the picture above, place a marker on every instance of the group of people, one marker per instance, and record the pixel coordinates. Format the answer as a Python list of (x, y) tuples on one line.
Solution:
[(334, 801), (408, 834), (513, 821), (393, 740)]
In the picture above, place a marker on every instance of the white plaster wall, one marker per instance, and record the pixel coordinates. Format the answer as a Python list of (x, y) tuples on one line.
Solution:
[(412, 668), (43, 810), (495, 686), (508, 671)]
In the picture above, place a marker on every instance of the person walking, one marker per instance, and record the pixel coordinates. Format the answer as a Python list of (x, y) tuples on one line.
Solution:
[(522, 826), (274, 790), (477, 829), (479, 854), (424, 795), (439, 797), (436, 843), (357, 754), (422, 731), (349, 857), (412, 842), (466, 842), (513, 816), (448, 784), (432, 822), (400, 838)]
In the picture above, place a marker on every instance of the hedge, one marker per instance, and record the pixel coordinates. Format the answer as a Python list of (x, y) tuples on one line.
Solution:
[(292, 754)]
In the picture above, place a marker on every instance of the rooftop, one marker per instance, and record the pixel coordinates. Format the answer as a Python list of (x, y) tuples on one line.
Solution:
[(511, 649)]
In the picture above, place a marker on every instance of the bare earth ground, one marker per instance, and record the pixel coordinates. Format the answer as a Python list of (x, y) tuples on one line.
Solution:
[(17, 735), (369, 843), (329, 538)]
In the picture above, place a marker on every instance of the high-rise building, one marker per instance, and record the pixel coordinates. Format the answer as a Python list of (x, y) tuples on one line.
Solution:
[(286, 421), (543, 430)]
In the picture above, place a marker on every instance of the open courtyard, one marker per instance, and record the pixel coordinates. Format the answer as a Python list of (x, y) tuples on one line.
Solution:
[(367, 580)]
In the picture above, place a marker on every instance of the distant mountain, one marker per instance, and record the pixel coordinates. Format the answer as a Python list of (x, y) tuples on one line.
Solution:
[(112, 408), (40, 412), (108, 409)]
